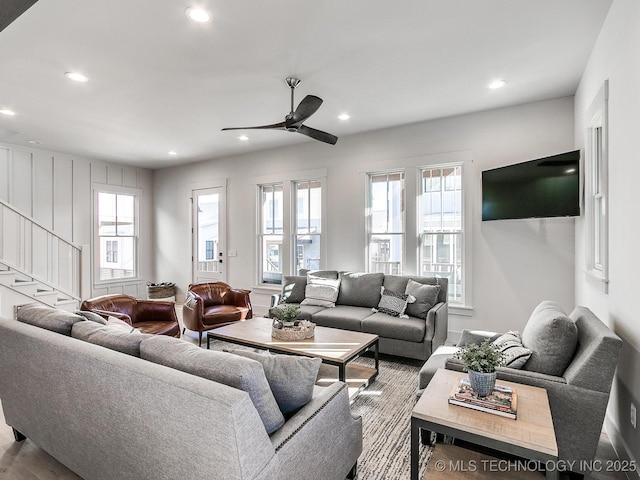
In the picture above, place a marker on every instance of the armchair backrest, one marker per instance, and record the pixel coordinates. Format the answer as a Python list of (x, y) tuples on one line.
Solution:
[(596, 356), (211, 293), (112, 303)]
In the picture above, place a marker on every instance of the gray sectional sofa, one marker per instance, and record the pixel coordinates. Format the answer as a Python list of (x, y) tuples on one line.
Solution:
[(416, 336), (106, 414)]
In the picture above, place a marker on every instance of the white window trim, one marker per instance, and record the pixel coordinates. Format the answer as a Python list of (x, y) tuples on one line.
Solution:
[(597, 117), (287, 180), (95, 238)]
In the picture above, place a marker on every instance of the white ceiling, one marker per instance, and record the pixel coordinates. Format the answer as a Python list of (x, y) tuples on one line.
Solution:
[(161, 82)]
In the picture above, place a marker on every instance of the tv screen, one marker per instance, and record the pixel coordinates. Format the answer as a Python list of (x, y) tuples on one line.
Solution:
[(546, 187)]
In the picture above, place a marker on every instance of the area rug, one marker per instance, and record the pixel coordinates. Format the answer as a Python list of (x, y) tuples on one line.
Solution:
[(385, 407)]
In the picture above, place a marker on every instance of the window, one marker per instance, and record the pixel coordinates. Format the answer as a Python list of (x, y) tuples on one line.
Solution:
[(271, 233), (596, 187), (117, 235), (386, 229), (440, 227), (209, 250), (290, 236), (308, 221)]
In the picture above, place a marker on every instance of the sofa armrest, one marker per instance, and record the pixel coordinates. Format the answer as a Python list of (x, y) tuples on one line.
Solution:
[(324, 425), (275, 300), (438, 325), (106, 314), (192, 310), (476, 336)]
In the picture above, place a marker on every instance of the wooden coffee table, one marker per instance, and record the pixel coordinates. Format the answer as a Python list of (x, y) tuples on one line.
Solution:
[(334, 346), (530, 436)]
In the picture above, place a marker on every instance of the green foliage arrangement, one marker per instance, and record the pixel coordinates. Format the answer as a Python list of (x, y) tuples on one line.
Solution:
[(481, 358), (287, 313)]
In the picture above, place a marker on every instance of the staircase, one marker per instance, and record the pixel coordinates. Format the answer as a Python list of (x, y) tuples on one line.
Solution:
[(36, 264)]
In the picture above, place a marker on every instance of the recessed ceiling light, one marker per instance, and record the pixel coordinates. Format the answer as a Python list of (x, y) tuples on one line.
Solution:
[(34, 142), (76, 77), (244, 138), (198, 14), (344, 116), (6, 111), (172, 152), (497, 84)]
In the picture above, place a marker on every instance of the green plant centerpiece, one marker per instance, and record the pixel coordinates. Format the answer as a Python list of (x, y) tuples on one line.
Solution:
[(286, 316), (480, 361)]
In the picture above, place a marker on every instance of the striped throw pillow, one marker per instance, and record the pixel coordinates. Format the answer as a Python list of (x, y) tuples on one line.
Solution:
[(510, 344)]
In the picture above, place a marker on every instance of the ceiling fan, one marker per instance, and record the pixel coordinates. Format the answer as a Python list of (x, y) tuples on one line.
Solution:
[(293, 120)]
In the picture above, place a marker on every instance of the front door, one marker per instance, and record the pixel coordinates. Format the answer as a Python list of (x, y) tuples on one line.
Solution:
[(209, 233)]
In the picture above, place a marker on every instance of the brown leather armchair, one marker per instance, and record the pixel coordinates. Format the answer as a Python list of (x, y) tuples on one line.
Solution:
[(148, 316), (211, 305)]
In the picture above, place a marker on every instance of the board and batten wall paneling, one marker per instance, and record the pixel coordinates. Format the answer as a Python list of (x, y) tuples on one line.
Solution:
[(63, 196), (82, 202), (4, 174), (21, 181), (43, 188)]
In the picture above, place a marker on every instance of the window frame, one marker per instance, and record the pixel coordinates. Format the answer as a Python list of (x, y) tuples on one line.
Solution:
[(289, 222), (369, 222), (96, 238), (596, 188), (462, 231)]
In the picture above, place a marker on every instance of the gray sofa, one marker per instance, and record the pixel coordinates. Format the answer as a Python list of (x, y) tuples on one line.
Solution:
[(106, 414), (416, 336), (581, 349)]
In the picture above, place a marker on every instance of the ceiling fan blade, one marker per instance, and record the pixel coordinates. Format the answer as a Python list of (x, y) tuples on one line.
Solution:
[(12, 10), (275, 126), (317, 134), (307, 107)]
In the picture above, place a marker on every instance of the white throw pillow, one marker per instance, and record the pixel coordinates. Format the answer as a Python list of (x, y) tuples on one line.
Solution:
[(322, 292)]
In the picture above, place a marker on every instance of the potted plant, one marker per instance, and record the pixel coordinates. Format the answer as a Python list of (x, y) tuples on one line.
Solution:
[(286, 315), (480, 361)]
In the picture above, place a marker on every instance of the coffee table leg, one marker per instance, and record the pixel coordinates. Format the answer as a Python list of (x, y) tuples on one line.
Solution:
[(342, 372), (377, 357), (415, 449)]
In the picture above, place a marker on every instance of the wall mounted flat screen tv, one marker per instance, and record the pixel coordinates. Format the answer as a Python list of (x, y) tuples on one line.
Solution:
[(542, 188)]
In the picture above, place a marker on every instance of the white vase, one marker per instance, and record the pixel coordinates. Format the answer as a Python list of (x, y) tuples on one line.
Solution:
[(482, 383)]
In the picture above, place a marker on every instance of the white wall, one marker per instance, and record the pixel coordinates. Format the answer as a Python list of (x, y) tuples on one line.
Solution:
[(615, 57), (515, 263), (56, 190)]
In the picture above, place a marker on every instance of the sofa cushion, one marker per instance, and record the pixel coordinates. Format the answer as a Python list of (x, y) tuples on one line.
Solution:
[(293, 288), (290, 377), (510, 344), (92, 316), (320, 291), (109, 336), (342, 316), (392, 303), (49, 318), (552, 337), (360, 289), (398, 283), (232, 370), (410, 329), (426, 297)]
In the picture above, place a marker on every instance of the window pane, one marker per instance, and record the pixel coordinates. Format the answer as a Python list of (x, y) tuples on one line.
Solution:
[(271, 258), (307, 252), (106, 213), (272, 208), (124, 215), (442, 257), (385, 254), (387, 203), (308, 207), (117, 257)]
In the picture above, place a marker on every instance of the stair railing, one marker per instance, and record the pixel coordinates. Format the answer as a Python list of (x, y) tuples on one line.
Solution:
[(34, 250)]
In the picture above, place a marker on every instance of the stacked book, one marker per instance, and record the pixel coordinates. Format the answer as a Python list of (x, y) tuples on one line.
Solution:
[(502, 401)]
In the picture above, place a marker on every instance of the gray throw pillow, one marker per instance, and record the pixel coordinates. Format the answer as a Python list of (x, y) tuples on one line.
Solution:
[(290, 377), (49, 318), (92, 316), (552, 337), (293, 288), (426, 297), (510, 344), (116, 323), (392, 303), (110, 337), (322, 292), (360, 289), (232, 370)]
